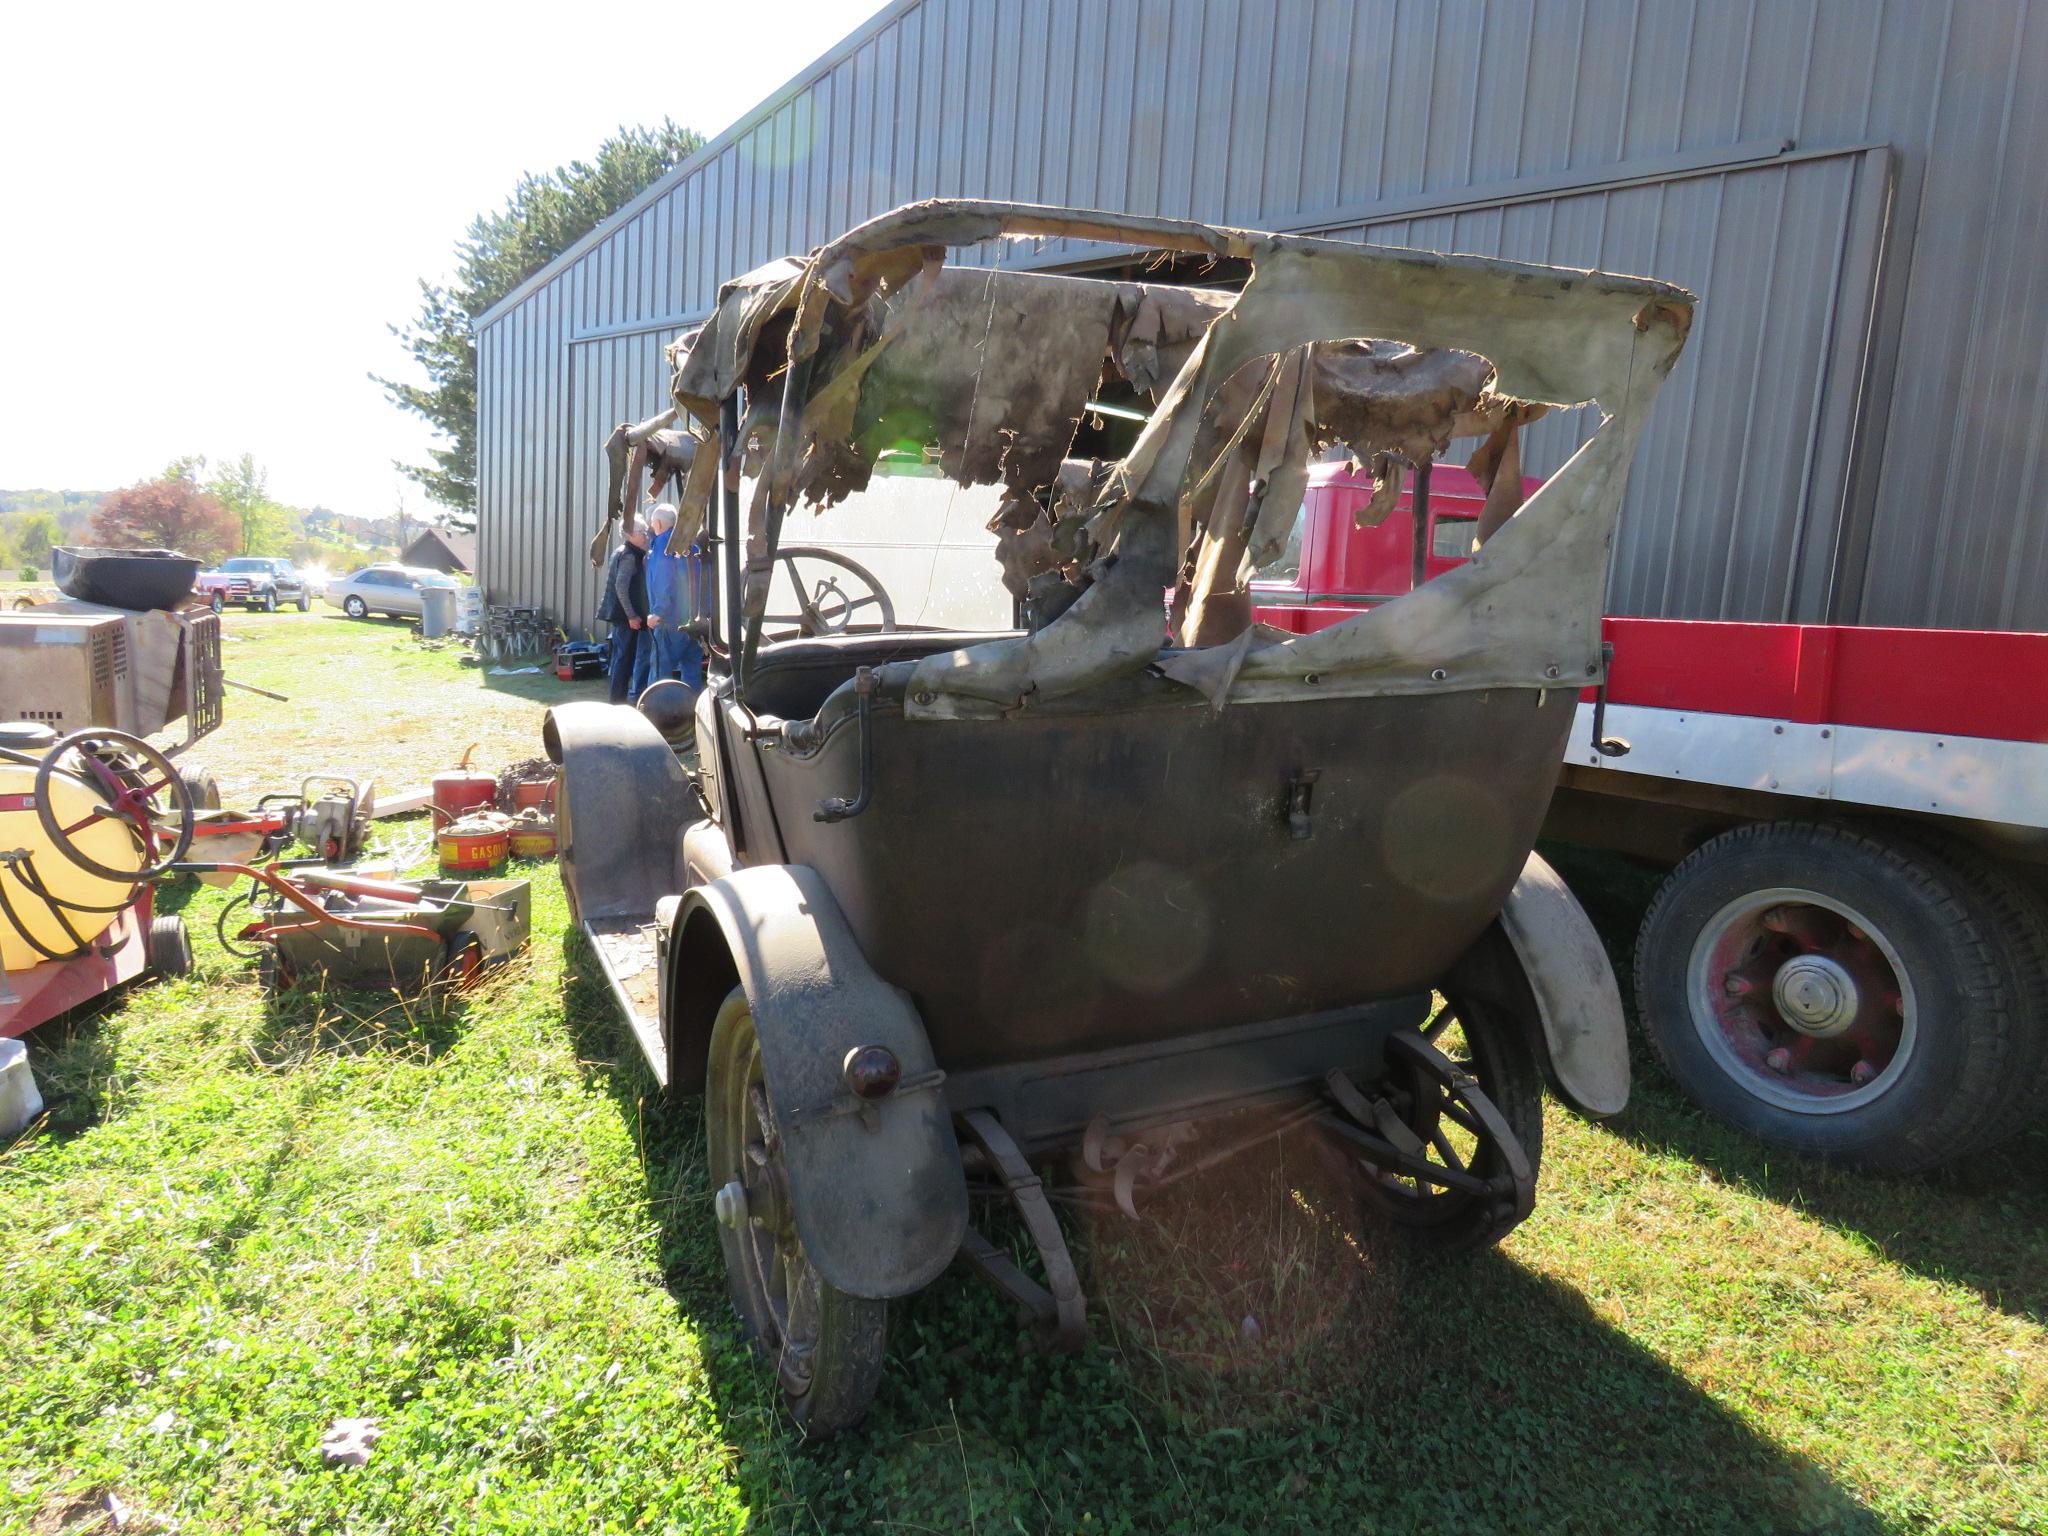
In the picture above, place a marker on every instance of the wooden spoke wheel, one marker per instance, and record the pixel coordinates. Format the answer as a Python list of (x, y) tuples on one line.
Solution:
[(1468, 1089), (825, 1345)]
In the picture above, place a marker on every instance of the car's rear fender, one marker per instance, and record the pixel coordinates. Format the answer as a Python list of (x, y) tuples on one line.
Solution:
[(1542, 961)]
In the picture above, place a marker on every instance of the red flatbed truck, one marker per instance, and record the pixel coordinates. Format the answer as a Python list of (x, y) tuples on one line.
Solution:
[(1850, 954)]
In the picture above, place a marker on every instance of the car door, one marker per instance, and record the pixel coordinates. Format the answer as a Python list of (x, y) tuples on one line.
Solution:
[(405, 593)]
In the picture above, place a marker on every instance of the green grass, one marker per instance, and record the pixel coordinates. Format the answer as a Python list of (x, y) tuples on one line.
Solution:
[(477, 1223), (367, 701)]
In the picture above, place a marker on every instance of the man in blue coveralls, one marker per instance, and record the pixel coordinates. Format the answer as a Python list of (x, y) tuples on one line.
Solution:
[(672, 584)]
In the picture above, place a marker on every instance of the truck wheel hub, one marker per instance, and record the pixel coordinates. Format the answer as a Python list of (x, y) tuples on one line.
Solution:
[(1816, 995)]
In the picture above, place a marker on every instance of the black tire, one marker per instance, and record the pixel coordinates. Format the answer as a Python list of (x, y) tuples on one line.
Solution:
[(305, 601), (200, 786), (217, 601), (2017, 915), (1915, 1075), (1499, 1052), (269, 603), (462, 961), (829, 1380), (355, 607), (169, 947)]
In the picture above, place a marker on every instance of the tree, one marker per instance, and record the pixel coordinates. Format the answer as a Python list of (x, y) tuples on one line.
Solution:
[(33, 536), (171, 513), (543, 217), (243, 487)]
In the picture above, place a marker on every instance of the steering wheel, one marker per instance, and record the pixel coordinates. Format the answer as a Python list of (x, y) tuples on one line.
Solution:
[(130, 774), (830, 601)]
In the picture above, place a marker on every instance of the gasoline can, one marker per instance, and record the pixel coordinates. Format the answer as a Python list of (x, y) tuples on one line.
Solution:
[(533, 839), (474, 845), (460, 790)]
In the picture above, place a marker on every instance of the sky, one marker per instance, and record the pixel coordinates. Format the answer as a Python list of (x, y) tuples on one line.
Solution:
[(211, 213)]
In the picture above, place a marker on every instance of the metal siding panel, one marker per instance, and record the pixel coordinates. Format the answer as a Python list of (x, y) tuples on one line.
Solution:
[(1408, 89), (1657, 86), (977, 71), (1992, 452), (1605, 63), (1136, 63), (1717, 63), (1838, 95), (1253, 129), (1911, 520), (1327, 67), (1001, 106), (1166, 63), (564, 446), (839, 192), (1553, 81), (488, 405), (1455, 52), (917, 103), (1036, 50), (1500, 99), (891, 130), (1780, 53), (1057, 141), (860, 146), (1361, 167)]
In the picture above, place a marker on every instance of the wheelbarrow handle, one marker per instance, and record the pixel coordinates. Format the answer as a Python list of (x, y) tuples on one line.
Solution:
[(266, 875), (356, 885)]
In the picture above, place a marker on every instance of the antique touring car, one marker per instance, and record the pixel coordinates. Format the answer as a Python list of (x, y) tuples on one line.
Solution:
[(1138, 882)]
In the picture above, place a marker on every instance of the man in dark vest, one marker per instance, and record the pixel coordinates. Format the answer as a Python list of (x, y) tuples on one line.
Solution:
[(623, 604)]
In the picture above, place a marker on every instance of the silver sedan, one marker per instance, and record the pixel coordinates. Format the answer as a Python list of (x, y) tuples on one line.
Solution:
[(389, 589)]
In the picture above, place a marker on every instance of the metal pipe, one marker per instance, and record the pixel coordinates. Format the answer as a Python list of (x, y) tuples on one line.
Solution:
[(1418, 512), (734, 546)]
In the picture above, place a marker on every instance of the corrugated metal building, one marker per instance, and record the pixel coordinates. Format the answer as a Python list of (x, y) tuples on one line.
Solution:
[(1857, 432)]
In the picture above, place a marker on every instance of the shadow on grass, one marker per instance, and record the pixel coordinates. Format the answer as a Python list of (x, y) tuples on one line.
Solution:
[(1981, 1223), (541, 687), (1373, 1388)]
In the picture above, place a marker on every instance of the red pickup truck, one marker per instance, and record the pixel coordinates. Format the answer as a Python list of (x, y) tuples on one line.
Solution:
[(1850, 954)]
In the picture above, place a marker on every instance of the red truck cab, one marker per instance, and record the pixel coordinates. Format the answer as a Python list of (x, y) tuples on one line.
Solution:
[(1333, 568)]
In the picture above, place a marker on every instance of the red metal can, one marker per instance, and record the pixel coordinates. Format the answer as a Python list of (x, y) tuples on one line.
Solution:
[(468, 849), (537, 793), (533, 840), (460, 790)]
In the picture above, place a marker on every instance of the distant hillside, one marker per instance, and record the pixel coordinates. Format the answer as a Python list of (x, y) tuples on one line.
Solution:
[(315, 534)]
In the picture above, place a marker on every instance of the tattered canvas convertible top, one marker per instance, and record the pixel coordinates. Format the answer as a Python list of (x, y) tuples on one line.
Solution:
[(874, 345)]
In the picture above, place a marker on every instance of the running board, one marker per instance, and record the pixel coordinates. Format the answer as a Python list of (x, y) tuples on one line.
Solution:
[(630, 957)]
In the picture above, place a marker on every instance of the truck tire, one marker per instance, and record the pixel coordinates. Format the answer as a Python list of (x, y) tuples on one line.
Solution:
[(305, 600), (270, 599), (217, 600), (1834, 991), (2018, 916)]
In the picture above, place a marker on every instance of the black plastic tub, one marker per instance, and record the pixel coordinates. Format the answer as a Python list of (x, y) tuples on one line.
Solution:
[(124, 578)]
